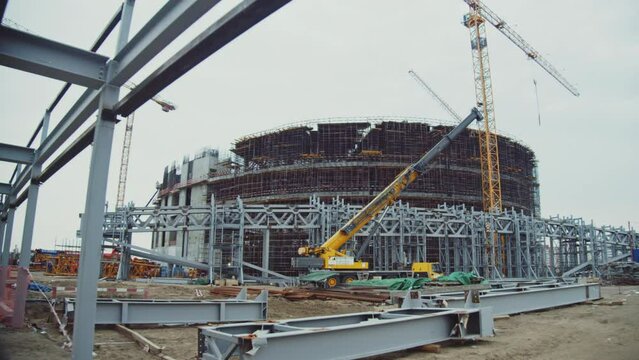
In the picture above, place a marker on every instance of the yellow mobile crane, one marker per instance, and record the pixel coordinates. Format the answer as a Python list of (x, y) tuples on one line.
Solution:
[(328, 255)]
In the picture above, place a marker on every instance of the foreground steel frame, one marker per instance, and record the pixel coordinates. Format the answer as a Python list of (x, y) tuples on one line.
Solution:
[(453, 235), (520, 299), (102, 77), (349, 336), (130, 311)]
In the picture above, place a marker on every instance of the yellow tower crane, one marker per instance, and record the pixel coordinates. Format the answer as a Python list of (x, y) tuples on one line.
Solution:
[(475, 21), (126, 146)]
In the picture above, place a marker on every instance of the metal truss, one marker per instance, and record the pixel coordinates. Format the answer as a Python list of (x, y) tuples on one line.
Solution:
[(455, 236), (518, 300), (133, 311), (351, 336)]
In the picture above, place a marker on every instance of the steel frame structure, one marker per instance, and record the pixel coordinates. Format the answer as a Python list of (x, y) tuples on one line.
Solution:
[(135, 311), (517, 300), (351, 336), (102, 76), (455, 236)]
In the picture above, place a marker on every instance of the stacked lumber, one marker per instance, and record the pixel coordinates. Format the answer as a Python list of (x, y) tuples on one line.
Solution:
[(296, 294)]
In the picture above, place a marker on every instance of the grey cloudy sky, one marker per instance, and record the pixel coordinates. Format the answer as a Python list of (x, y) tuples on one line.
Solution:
[(332, 58)]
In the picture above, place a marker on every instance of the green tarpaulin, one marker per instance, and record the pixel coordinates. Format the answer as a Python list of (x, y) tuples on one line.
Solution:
[(317, 276), (394, 284), (464, 278)]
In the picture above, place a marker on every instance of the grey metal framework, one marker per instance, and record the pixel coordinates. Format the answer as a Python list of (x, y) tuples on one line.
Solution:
[(130, 311), (102, 76), (519, 299), (349, 336), (531, 247)]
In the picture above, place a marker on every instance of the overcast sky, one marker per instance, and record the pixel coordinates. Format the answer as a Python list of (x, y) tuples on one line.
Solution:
[(334, 58)]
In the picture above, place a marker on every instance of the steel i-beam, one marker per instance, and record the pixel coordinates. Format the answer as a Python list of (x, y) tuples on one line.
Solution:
[(132, 311), (519, 300), (349, 336)]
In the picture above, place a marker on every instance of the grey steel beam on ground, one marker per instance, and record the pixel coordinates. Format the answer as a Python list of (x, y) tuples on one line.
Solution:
[(349, 336), (520, 300), (37, 55), (16, 154), (129, 311)]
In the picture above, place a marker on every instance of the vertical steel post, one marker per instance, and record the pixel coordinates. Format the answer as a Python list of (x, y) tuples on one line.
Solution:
[(518, 252), (212, 233), (27, 235), (265, 250), (240, 251), (3, 224), (6, 246), (93, 219)]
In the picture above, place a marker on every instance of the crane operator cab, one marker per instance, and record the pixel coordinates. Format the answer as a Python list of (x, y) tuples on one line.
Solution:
[(431, 270)]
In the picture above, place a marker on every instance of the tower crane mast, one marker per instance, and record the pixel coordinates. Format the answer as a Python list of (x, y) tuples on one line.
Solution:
[(126, 146), (488, 148), (475, 21)]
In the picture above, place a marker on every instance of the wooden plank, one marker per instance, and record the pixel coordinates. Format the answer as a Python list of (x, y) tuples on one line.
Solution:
[(146, 344)]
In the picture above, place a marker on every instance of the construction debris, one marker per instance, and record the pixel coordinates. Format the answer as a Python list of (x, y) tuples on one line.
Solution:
[(146, 344), (621, 273), (431, 348), (611, 303)]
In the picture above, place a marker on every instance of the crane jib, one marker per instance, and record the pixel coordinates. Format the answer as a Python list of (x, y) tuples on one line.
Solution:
[(390, 194)]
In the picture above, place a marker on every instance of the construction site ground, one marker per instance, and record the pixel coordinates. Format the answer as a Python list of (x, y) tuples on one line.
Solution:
[(599, 330)]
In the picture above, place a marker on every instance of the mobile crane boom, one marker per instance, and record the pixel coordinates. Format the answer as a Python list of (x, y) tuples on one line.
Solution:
[(329, 250)]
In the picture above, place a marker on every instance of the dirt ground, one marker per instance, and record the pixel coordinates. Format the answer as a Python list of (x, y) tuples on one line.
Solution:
[(574, 332)]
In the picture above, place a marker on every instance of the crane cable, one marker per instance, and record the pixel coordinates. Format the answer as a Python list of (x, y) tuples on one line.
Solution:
[(534, 79)]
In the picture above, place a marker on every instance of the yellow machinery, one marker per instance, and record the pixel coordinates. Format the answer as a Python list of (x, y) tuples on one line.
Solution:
[(431, 269), (329, 251)]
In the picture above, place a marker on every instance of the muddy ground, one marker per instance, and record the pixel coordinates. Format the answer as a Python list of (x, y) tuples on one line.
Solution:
[(576, 332)]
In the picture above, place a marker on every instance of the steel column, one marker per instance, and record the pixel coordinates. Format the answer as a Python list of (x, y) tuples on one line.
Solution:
[(211, 255), (25, 250), (6, 246), (265, 251), (3, 226), (93, 218), (27, 234)]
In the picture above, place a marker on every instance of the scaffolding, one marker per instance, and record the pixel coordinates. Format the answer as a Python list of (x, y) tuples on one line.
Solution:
[(357, 159)]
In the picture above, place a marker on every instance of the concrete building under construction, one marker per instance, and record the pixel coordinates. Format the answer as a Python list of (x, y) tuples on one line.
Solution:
[(353, 159)]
